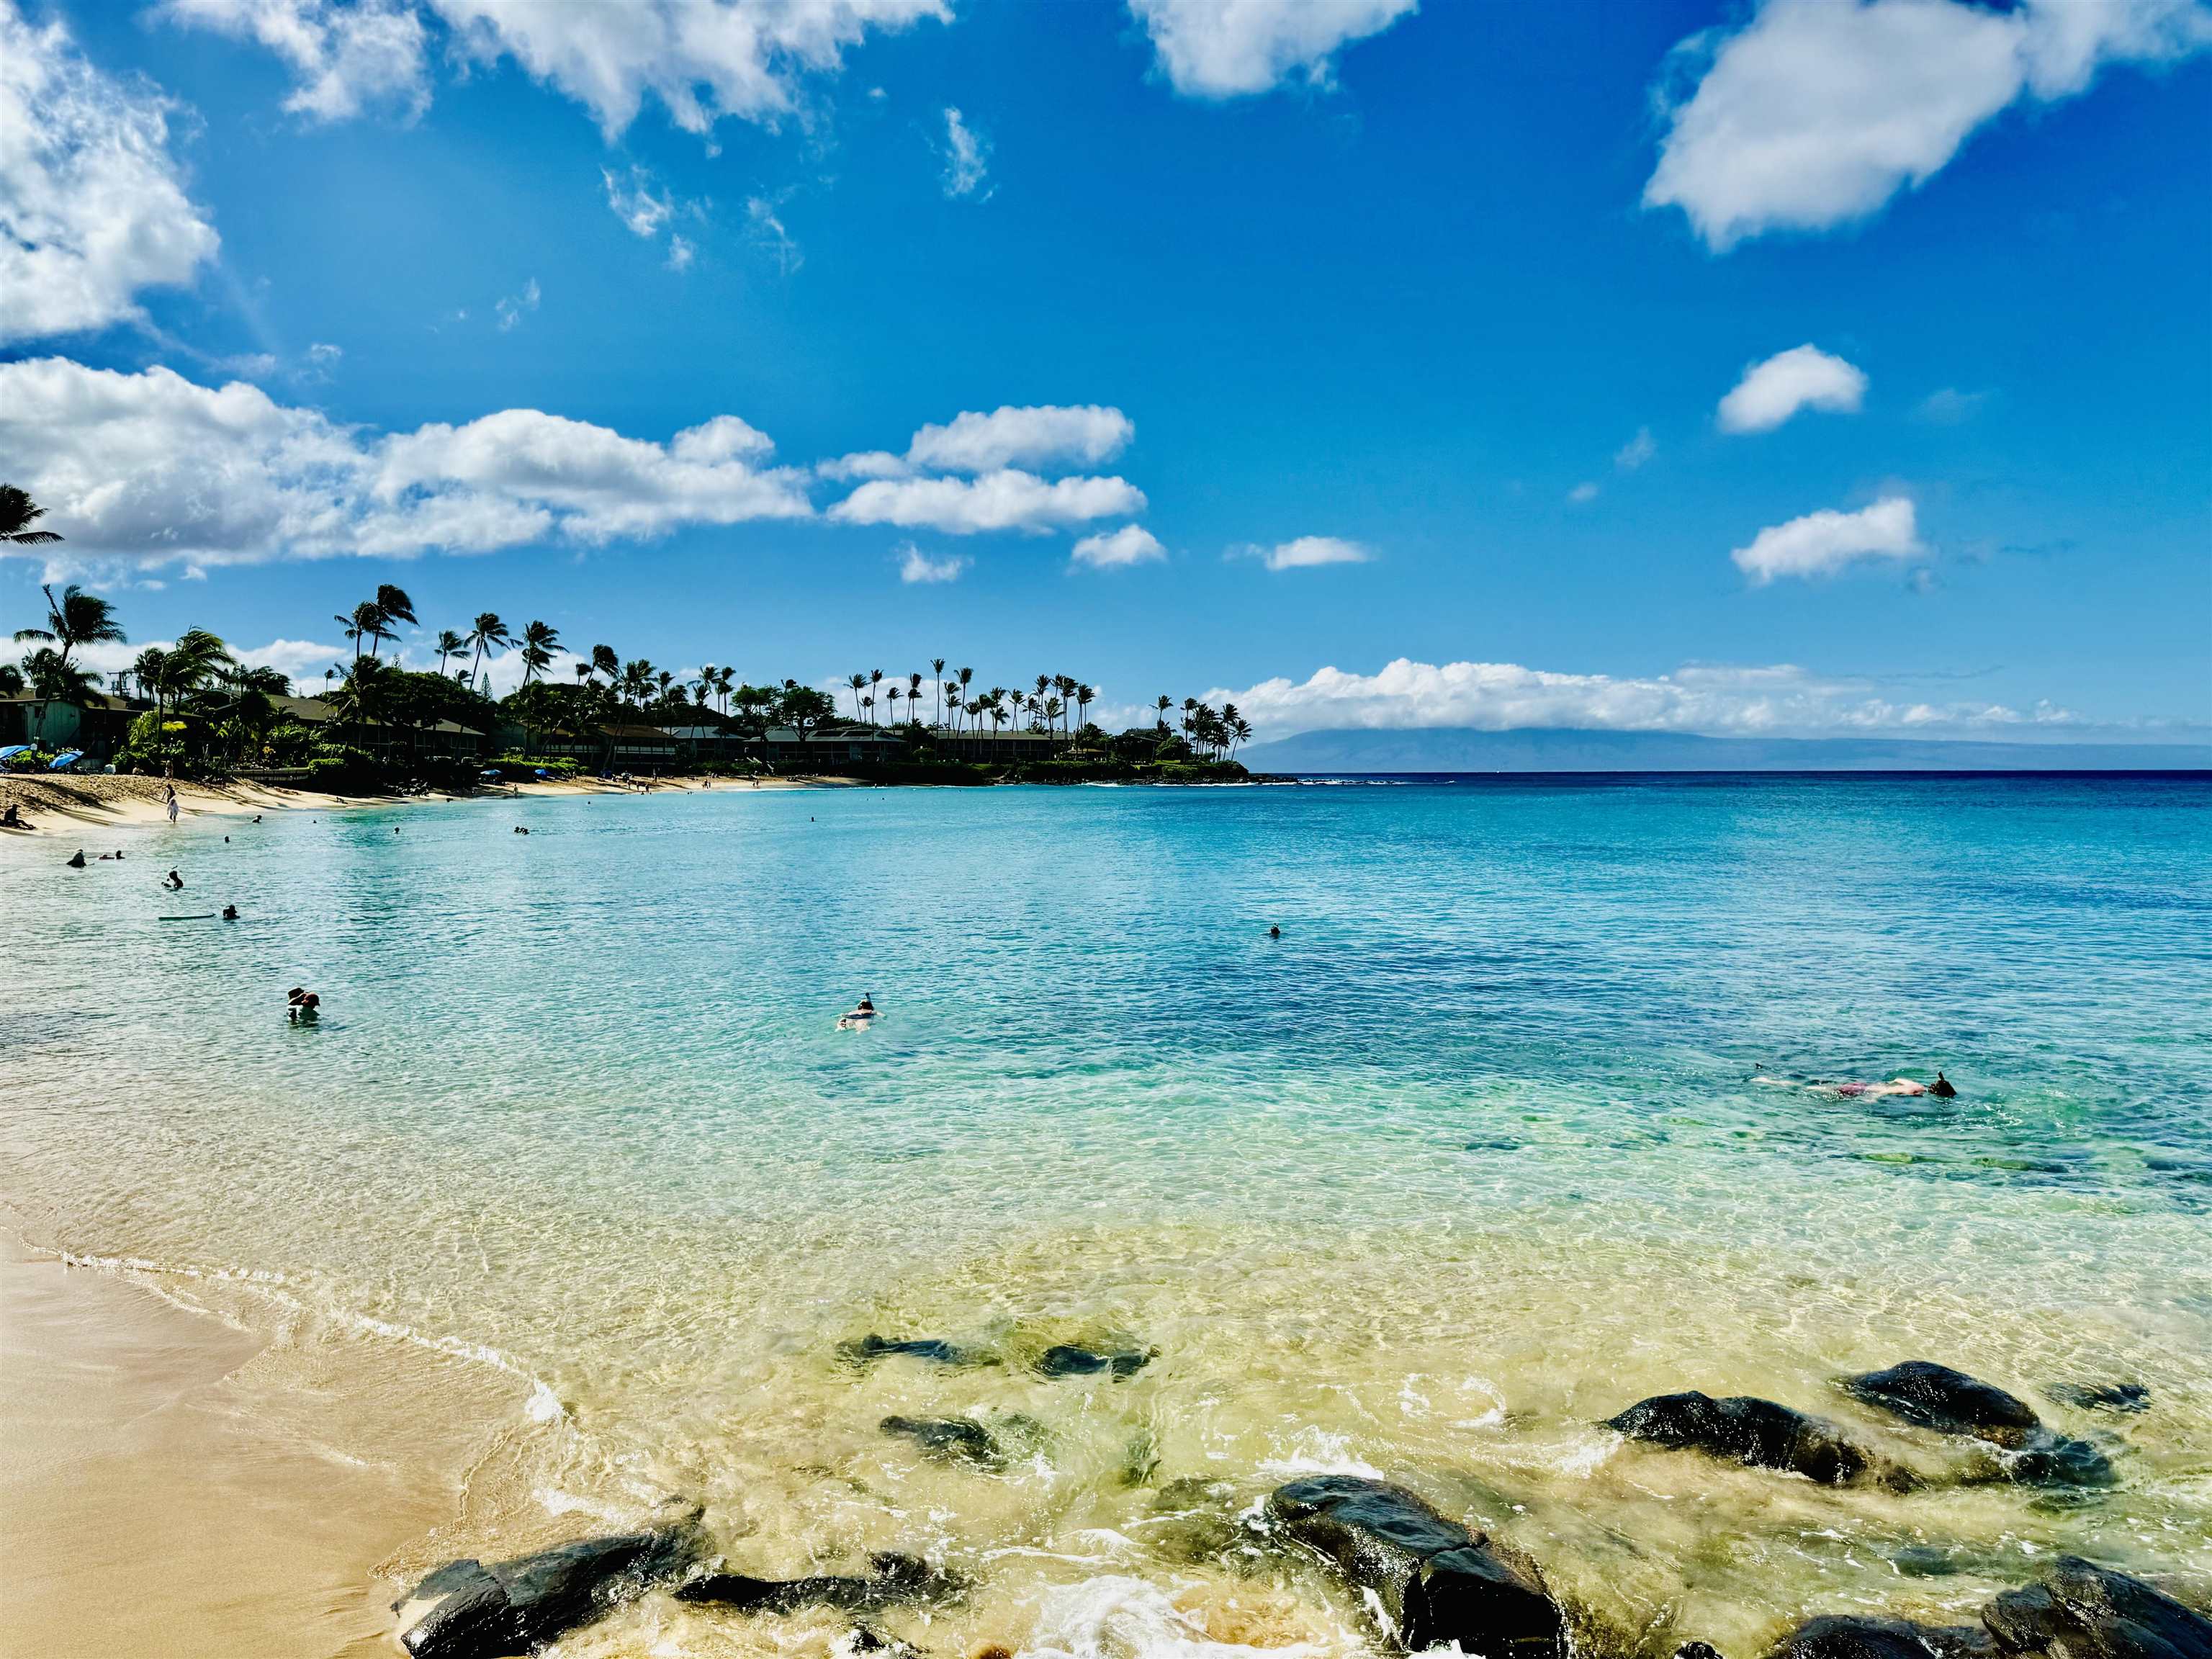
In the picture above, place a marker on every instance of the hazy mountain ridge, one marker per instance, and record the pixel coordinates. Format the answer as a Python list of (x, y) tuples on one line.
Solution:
[(1547, 749)]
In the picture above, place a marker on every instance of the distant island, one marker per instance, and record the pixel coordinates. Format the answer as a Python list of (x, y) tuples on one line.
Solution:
[(1446, 749)]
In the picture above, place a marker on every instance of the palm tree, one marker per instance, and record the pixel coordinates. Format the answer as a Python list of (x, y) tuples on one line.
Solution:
[(875, 679), (197, 657), (539, 640), (937, 669), (856, 683), (146, 674), (449, 644), (365, 622), (663, 680), (1240, 729), (1083, 695), (76, 618), (604, 661), (1165, 703), (913, 697), (964, 675), (583, 672), (486, 638), (636, 682), (396, 606), (892, 697), (723, 678), (1065, 684), (18, 513)]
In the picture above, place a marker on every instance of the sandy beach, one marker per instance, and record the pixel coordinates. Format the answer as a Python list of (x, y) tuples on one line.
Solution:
[(145, 1508), (73, 804)]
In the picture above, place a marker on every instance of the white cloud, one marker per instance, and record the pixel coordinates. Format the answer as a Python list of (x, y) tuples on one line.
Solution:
[(93, 205), (1229, 48), (1814, 115), (1824, 542), (768, 230), (343, 58), (1307, 551), (513, 309), (703, 59), (1637, 450), (1772, 700), (153, 469), (322, 353), (1005, 500), (1111, 549), (866, 463), (1081, 435), (681, 252), (635, 202), (967, 155), (915, 566), (1947, 406), (1804, 377), (1583, 493)]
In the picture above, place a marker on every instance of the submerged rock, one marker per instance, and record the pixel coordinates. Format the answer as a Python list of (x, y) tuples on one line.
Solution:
[(1937, 1397), (2126, 1397), (1757, 1432), (1065, 1359), (1849, 1637), (872, 1348), (467, 1610), (2079, 1610), (894, 1578), (950, 1439), (1697, 1651), (1434, 1581)]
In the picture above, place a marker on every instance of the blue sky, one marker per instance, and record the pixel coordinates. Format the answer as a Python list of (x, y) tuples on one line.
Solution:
[(1446, 300)]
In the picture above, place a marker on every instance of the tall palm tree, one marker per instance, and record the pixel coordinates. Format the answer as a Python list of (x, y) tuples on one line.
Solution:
[(892, 697), (875, 679), (662, 681), (18, 513), (723, 678), (197, 657), (1165, 703), (1084, 695), (964, 675), (449, 644), (583, 672), (11, 680), (913, 698), (365, 622), (637, 682), (936, 670), (146, 674), (76, 618), (396, 606), (604, 661), (855, 683), (539, 641), (1065, 684), (488, 636)]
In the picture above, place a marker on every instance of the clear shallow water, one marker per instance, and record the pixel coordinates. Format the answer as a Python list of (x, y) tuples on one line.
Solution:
[(1471, 1158)]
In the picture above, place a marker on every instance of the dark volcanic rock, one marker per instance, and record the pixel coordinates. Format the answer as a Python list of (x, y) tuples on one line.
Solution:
[(2128, 1397), (467, 1610), (893, 1579), (872, 1347), (950, 1439), (1937, 1397), (2083, 1611), (1758, 1432), (1436, 1581), (1067, 1360), (1851, 1638), (1697, 1651)]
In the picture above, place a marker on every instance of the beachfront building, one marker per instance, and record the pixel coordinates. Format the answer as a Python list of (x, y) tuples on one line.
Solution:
[(56, 727)]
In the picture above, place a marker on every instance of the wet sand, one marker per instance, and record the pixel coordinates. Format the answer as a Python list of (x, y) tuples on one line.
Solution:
[(142, 1511)]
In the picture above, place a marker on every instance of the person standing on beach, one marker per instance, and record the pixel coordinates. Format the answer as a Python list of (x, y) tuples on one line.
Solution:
[(170, 805)]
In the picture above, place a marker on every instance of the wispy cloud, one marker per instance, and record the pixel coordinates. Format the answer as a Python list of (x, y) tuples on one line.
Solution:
[(513, 309), (1308, 552), (967, 157), (915, 566)]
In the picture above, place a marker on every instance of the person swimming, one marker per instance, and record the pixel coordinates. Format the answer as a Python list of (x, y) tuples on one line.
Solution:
[(1942, 1089), (173, 882), (230, 913), (1274, 933), (300, 1005), (77, 863), (858, 1019)]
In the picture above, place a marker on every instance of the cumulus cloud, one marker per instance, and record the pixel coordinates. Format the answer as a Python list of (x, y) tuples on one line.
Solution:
[(1307, 551), (153, 469), (1814, 115), (1822, 542), (1232, 48), (1111, 549), (343, 58), (967, 156), (1005, 500), (1039, 435), (916, 566), (1772, 700), (93, 205), (1804, 377), (702, 59)]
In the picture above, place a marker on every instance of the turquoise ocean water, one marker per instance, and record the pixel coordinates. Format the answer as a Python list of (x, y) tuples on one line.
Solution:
[(1474, 1154)]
